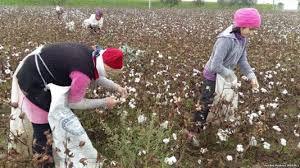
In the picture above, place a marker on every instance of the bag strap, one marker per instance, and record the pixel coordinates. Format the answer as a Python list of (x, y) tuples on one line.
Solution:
[(36, 57)]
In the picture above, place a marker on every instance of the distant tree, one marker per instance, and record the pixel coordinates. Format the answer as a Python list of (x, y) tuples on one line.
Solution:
[(243, 2), (58, 2), (280, 6), (221, 2), (199, 2), (171, 2), (237, 2)]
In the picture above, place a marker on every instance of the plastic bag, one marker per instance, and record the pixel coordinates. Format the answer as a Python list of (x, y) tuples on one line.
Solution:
[(21, 130), (71, 143)]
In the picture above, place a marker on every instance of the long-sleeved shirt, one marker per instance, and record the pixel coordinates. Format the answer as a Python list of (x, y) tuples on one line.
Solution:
[(71, 65), (93, 22), (229, 51)]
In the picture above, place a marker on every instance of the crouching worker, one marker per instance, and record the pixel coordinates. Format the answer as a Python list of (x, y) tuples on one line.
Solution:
[(95, 22), (59, 12), (63, 64), (229, 50)]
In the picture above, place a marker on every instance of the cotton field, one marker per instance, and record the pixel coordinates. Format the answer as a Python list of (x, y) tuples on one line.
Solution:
[(169, 48)]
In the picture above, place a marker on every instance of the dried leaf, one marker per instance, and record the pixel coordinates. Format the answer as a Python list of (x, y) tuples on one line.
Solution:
[(68, 153), (22, 116), (83, 161), (81, 144), (57, 149), (71, 165)]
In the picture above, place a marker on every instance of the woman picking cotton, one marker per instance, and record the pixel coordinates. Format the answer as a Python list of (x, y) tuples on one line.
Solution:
[(95, 22), (63, 64), (230, 50)]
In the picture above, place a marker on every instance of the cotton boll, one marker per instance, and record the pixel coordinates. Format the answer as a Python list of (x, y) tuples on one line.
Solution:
[(276, 128), (141, 119), (240, 148), (70, 26), (229, 158), (203, 150), (113, 163), (166, 140), (7, 71), (283, 142), (174, 136), (262, 107), (263, 90), (137, 80), (222, 135), (170, 160), (164, 125), (142, 152), (267, 145), (253, 141), (199, 161), (284, 92)]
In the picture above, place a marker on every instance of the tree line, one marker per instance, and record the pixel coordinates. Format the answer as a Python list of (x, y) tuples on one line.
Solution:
[(221, 2)]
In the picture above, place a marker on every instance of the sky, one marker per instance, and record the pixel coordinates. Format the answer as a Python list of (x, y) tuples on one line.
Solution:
[(288, 4)]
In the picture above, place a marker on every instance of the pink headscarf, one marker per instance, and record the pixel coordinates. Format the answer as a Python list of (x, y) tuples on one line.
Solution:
[(247, 17)]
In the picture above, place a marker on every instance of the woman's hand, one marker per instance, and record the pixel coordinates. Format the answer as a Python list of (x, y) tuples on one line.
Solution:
[(255, 85), (111, 102), (231, 78), (122, 91)]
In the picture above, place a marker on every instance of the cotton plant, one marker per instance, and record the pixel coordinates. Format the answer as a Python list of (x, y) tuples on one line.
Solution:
[(131, 54), (132, 103), (70, 26), (222, 135), (251, 117), (142, 119)]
